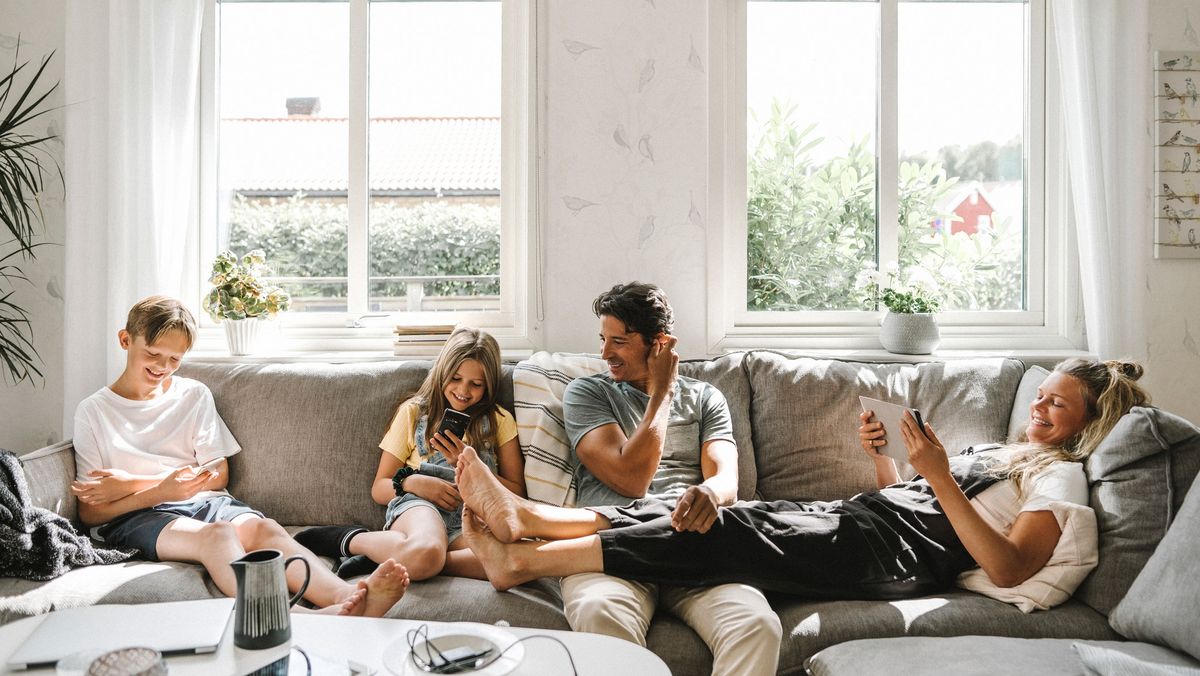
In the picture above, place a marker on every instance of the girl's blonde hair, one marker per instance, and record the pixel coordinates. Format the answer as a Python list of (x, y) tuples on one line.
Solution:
[(1109, 389), (465, 343)]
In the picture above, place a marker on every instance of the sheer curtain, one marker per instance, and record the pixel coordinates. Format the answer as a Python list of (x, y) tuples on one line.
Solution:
[(1106, 89), (131, 88)]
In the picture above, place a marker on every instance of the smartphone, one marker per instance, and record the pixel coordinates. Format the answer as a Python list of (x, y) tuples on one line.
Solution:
[(454, 421), (210, 466)]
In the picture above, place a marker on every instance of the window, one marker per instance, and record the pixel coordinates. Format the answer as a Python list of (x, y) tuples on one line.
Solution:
[(378, 152), (883, 134)]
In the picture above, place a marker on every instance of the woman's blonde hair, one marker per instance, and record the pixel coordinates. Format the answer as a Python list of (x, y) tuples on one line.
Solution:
[(1109, 389), (465, 343)]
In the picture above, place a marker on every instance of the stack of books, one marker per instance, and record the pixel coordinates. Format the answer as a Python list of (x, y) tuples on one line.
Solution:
[(421, 342)]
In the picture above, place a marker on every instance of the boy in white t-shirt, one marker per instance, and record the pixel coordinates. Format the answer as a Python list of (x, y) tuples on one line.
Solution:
[(139, 447)]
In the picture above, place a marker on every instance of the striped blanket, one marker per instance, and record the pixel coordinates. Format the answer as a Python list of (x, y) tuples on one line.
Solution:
[(538, 384)]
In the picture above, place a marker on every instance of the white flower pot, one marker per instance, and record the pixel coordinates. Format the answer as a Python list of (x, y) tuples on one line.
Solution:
[(242, 335), (915, 333)]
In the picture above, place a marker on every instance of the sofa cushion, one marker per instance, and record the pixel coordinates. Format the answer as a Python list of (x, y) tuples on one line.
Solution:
[(1139, 476), (48, 473), (1162, 604), (980, 656), (1018, 420), (804, 415), (310, 430), (811, 626), (727, 374)]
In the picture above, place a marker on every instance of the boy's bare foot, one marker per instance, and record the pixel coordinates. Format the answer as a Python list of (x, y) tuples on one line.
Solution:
[(351, 605), (493, 554), (488, 498), (384, 588)]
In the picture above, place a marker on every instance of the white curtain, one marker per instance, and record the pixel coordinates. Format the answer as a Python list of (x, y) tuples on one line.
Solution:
[(131, 87), (1105, 73)]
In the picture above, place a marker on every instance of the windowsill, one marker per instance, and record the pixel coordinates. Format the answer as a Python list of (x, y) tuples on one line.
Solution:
[(1045, 357)]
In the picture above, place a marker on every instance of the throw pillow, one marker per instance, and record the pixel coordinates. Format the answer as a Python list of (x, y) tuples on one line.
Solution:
[(1073, 558), (1161, 605), (1139, 476), (1018, 420)]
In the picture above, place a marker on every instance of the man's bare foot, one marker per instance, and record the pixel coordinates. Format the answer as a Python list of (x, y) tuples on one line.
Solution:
[(488, 498), (384, 588), (492, 554)]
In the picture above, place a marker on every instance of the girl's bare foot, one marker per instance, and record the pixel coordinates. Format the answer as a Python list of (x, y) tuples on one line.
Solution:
[(502, 571), (483, 493), (384, 588), (353, 604)]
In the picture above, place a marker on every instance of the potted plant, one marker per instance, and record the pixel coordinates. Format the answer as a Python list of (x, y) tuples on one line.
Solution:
[(240, 299), (25, 163), (910, 324)]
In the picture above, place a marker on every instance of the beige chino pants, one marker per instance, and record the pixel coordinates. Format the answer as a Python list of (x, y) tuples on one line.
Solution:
[(735, 620)]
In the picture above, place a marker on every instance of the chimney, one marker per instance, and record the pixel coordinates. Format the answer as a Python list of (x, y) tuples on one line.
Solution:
[(304, 106)]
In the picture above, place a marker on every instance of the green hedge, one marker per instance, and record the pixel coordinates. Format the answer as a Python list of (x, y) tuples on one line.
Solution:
[(307, 238)]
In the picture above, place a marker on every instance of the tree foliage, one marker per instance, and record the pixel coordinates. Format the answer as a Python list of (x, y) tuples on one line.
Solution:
[(811, 228)]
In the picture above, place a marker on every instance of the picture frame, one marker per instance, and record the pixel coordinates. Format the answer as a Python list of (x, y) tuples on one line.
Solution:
[(1177, 155)]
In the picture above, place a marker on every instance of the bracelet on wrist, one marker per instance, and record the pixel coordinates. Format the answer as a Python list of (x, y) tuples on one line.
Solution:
[(399, 477)]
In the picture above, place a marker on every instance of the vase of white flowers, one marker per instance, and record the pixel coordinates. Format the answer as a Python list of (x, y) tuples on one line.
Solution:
[(910, 324), (241, 300)]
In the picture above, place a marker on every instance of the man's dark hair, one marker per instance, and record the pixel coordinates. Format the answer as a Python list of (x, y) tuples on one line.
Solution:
[(643, 308)]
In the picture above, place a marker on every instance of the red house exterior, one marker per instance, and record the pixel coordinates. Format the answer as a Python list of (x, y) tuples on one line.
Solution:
[(973, 211)]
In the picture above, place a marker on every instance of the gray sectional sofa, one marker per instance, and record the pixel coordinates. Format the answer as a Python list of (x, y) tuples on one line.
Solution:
[(310, 434)]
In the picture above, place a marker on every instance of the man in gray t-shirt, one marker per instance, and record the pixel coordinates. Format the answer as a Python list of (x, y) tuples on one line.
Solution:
[(642, 431)]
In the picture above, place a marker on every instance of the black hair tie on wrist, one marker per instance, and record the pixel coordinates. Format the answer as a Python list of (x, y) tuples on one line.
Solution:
[(399, 477)]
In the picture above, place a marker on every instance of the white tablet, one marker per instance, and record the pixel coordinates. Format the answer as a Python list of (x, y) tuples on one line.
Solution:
[(889, 414)]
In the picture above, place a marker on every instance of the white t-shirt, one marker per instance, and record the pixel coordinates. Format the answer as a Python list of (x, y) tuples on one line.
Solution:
[(179, 428), (1000, 505)]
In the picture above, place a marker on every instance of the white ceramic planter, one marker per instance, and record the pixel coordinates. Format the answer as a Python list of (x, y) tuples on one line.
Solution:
[(915, 333), (242, 335)]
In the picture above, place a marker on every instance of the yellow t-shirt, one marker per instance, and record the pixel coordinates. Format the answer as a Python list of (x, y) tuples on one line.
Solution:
[(401, 441)]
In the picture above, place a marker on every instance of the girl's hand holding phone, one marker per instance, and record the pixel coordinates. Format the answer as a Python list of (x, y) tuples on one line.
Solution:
[(441, 493), (449, 445)]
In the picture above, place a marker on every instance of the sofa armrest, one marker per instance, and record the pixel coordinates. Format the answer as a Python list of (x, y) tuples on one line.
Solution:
[(49, 472)]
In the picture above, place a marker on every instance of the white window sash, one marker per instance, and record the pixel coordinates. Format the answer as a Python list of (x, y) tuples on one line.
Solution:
[(1050, 318), (355, 330)]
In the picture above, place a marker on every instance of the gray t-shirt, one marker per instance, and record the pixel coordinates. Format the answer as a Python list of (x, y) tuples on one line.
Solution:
[(699, 414)]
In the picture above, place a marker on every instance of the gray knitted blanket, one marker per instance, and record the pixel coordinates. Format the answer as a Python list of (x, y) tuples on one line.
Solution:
[(36, 543)]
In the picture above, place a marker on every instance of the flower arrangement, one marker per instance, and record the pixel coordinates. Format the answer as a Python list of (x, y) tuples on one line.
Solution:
[(916, 293), (238, 291)]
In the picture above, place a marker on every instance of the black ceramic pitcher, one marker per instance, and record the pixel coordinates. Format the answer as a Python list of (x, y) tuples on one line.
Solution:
[(261, 617)]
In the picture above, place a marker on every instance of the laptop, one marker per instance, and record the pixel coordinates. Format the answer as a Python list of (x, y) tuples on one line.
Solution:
[(180, 627)]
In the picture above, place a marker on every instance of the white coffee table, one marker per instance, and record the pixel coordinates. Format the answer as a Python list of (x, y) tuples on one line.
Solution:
[(364, 640)]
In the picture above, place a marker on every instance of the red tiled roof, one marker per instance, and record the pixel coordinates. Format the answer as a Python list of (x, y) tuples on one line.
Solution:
[(459, 154)]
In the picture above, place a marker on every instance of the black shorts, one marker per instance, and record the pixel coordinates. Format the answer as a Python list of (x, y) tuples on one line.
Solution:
[(140, 529)]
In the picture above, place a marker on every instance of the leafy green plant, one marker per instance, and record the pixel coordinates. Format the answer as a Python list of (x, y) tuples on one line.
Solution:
[(917, 294), (238, 291), (25, 162)]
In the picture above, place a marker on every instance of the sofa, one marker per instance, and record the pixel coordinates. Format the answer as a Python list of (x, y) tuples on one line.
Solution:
[(310, 432)]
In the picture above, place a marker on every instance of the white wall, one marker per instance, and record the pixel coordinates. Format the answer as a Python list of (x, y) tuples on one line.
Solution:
[(620, 208), (1172, 286), (626, 161), (31, 415)]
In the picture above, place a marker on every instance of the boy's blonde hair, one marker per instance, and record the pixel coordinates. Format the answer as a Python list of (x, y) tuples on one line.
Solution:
[(154, 316), (465, 343)]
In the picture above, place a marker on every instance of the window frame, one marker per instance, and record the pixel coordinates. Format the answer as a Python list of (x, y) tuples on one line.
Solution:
[(357, 329), (1051, 320)]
